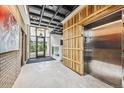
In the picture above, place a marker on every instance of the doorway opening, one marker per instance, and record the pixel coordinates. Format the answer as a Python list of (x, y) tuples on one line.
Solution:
[(39, 42), (23, 47)]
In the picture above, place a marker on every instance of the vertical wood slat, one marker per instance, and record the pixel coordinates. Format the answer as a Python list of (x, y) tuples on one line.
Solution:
[(72, 42)]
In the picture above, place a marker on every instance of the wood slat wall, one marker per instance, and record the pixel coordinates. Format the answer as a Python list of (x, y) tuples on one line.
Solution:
[(73, 49), (73, 36)]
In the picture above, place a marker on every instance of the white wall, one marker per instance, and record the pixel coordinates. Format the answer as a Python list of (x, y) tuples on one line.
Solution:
[(48, 47), (55, 41)]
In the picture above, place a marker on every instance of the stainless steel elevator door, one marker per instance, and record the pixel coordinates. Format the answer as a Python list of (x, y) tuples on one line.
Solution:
[(104, 53)]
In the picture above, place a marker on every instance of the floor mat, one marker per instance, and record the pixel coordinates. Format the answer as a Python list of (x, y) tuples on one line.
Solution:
[(37, 60)]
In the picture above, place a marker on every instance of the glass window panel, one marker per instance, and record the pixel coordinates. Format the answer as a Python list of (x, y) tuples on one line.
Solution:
[(40, 32), (32, 31), (48, 46), (32, 47), (47, 33), (33, 39)]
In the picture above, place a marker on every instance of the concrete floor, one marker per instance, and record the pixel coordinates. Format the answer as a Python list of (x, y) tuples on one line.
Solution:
[(53, 74)]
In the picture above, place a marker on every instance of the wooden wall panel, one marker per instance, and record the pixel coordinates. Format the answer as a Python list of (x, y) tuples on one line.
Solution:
[(73, 38), (73, 46)]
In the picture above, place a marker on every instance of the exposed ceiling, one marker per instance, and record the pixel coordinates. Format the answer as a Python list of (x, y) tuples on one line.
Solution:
[(49, 16)]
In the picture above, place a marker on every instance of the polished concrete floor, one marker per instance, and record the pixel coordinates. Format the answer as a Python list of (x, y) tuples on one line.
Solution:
[(53, 74)]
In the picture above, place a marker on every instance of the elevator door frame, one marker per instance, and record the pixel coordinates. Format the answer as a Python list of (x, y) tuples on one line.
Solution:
[(100, 23)]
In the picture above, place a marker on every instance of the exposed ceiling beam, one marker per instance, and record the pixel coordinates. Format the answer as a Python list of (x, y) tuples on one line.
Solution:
[(61, 25), (57, 29), (68, 13), (67, 8), (53, 12), (50, 11), (34, 24), (43, 25), (56, 20), (52, 21), (55, 15), (56, 32), (51, 26), (38, 6), (73, 12), (42, 11), (61, 15), (34, 14), (34, 20), (75, 7), (45, 17), (56, 26), (44, 22), (34, 7)]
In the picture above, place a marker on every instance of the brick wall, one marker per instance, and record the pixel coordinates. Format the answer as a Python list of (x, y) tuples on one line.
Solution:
[(10, 62), (10, 67)]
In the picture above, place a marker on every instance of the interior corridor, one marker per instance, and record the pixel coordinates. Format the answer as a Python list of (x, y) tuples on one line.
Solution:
[(53, 74), (61, 46)]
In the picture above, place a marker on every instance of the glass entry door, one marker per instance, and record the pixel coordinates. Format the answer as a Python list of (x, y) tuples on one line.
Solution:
[(41, 47), (32, 43), (39, 42)]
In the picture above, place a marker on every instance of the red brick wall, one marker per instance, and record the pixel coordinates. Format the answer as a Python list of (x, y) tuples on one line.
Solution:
[(10, 67)]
